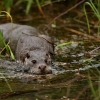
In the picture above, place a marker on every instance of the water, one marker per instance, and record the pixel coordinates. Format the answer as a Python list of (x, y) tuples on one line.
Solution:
[(70, 80)]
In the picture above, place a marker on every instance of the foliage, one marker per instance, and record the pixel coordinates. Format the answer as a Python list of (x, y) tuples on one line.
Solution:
[(7, 4), (29, 4), (95, 6), (5, 46), (6, 82), (95, 92), (63, 44)]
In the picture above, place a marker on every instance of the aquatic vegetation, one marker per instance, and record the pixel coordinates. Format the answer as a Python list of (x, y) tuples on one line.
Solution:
[(5, 46), (95, 7), (63, 44), (95, 91), (96, 11), (8, 4), (28, 6), (5, 79)]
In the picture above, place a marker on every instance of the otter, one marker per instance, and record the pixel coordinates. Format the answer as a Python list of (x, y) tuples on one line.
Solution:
[(31, 48)]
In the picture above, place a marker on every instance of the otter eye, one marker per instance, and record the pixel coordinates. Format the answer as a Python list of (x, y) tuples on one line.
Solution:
[(33, 61)]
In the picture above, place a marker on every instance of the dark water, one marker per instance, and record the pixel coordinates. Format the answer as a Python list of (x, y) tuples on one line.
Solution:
[(66, 84)]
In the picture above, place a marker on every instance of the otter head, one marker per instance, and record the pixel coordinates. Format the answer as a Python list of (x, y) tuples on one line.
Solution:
[(36, 62)]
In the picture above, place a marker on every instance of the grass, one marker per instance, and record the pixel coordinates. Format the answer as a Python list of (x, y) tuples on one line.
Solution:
[(5, 46), (28, 6), (95, 92), (8, 4), (95, 6), (64, 44), (96, 83), (6, 82)]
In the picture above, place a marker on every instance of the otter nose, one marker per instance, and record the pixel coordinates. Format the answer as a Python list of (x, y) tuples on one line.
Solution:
[(42, 67)]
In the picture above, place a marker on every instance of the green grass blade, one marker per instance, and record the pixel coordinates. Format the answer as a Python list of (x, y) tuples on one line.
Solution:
[(95, 11), (20, 1), (11, 53), (8, 15), (63, 44), (6, 82), (2, 42), (6, 46), (2, 56), (92, 88), (29, 6)]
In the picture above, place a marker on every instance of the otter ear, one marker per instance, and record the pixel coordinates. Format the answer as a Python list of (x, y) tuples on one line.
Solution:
[(23, 56), (27, 55)]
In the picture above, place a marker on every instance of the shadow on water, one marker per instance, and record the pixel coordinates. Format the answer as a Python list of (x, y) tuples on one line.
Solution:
[(70, 80)]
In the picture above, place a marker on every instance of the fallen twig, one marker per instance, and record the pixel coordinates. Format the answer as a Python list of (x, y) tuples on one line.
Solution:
[(83, 34), (66, 12)]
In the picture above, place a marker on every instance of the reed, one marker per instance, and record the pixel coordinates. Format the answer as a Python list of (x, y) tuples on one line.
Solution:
[(5, 46), (95, 6)]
